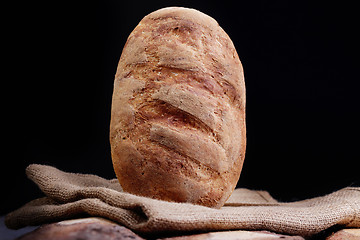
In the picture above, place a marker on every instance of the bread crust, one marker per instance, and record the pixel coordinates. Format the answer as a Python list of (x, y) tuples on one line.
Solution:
[(177, 128)]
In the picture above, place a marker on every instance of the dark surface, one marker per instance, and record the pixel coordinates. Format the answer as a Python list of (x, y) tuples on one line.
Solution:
[(8, 234), (301, 72)]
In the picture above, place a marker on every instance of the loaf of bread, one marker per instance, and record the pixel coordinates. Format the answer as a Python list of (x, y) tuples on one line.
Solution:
[(177, 128)]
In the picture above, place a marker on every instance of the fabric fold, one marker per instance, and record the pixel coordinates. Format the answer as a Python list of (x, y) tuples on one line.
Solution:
[(70, 195)]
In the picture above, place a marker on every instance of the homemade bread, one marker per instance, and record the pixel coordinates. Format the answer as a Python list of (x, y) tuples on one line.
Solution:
[(177, 129)]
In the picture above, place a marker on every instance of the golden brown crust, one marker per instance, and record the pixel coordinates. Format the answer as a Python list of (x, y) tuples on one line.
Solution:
[(177, 127)]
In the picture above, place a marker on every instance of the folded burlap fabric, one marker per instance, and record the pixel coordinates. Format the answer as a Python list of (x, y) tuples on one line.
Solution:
[(69, 195)]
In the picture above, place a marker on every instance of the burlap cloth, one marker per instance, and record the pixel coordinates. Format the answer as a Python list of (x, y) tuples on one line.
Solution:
[(70, 195)]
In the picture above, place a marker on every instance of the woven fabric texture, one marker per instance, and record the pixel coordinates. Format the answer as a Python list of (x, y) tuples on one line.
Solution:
[(70, 195)]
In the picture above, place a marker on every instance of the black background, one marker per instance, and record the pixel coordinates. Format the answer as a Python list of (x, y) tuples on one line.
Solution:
[(301, 71)]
